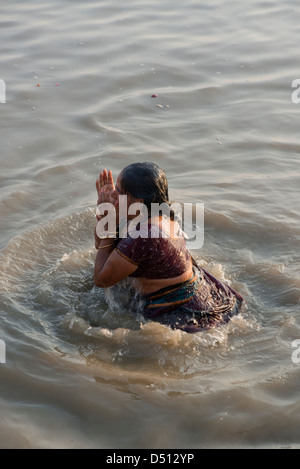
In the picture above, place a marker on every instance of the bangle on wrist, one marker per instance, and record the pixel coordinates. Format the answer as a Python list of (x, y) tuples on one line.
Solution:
[(105, 246), (107, 235)]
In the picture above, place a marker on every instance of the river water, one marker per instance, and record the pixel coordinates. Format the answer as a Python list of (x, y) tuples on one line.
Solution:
[(80, 370)]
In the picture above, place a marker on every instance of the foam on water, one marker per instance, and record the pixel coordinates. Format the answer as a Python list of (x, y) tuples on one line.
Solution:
[(56, 282)]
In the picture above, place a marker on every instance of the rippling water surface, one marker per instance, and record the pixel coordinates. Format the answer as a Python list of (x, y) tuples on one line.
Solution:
[(81, 371)]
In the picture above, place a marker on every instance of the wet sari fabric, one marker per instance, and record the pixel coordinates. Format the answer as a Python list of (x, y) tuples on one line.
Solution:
[(197, 304)]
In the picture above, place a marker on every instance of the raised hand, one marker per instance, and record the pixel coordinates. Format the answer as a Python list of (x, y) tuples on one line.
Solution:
[(105, 188)]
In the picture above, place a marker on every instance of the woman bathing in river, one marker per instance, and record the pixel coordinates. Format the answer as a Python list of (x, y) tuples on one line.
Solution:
[(174, 290)]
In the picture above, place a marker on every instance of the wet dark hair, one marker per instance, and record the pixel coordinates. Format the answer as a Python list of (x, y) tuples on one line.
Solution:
[(146, 181)]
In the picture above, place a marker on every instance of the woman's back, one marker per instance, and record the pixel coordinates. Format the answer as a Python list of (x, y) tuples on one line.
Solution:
[(159, 252)]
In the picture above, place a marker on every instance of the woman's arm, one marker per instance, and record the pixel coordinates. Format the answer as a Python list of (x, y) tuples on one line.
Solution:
[(110, 266), (97, 239)]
